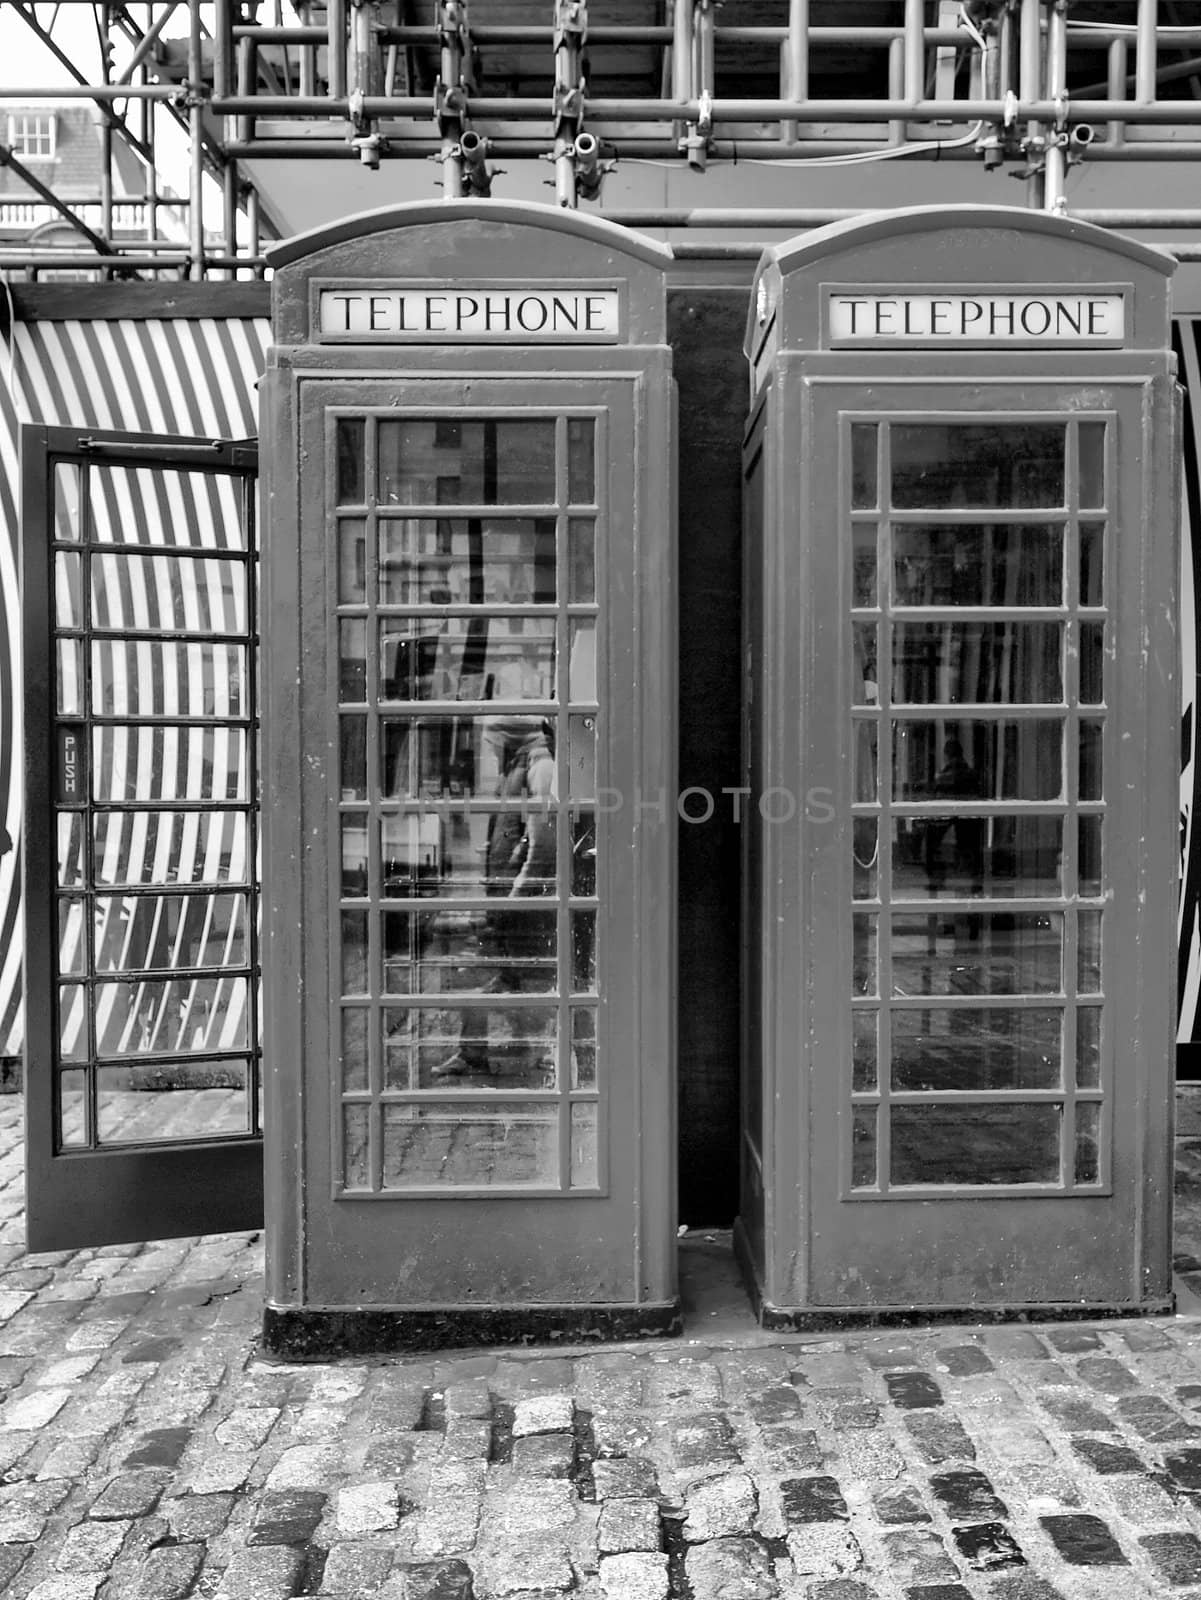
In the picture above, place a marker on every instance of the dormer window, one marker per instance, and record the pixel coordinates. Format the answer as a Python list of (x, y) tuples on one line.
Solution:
[(31, 134)]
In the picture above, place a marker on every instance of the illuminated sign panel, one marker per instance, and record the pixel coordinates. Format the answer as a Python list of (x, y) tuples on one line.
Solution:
[(465, 312), (975, 317)]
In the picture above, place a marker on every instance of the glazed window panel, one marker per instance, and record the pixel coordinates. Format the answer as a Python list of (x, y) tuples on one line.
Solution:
[(976, 758), (957, 465), (978, 564)]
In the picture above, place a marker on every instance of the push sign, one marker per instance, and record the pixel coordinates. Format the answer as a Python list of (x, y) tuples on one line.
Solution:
[(71, 783)]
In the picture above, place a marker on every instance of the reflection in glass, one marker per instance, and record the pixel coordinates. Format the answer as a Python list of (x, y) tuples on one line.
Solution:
[(67, 490), (72, 1109), (986, 663), (1088, 1141), (581, 632), (863, 1148), (354, 953), (959, 855), (975, 1144), (68, 590), (581, 560), (69, 677), (863, 978), (171, 1016), (354, 854), (1091, 444), (157, 678), (865, 848), (445, 561), (977, 953), (581, 461), (350, 449), (168, 594), (865, 671), (583, 853), (1088, 1047), (72, 1022), (1088, 952), (863, 564), (954, 464), (355, 1072), (1091, 743), (583, 1047), (145, 932), (505, 756), (72, 948), (864, 1052), (186, 763), (467, 658), (70, 849), (356, 1146), (581, 757), (352, 561), (352, 660), (1092, 654), (498, 1042), (165, 1102), (457, 1145), (864, 495), (864, 741), (145, 847), (194, 510), (458, 461), (986, 1047), (1088, 860), (352, 756), (977, 564), (583, 952), (584, 1155), (1092, 563), (507, 950), (1005, 758)]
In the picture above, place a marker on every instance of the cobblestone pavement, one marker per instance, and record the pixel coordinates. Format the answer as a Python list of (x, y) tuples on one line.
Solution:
[(147, 1453)]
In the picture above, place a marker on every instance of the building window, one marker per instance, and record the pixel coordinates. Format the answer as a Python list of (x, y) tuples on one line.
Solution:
[(31, 133)]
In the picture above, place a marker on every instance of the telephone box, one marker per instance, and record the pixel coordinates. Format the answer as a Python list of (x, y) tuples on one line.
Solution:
[(962, 753), (468, 687)]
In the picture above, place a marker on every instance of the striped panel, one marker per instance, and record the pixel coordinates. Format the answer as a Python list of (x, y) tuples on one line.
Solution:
[(185, 376), (1187, 341)]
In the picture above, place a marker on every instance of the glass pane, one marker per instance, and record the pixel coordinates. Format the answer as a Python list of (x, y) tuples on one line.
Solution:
[(452, 1146), (467, 561), (506, 951), (583, 1047), (157, 506), (988, 663), (70, 850), (977, 953), (583, 952), (355, 1071), (581, 757), (1088, 863), (582, 669), (1091, 743), (356, 1146), (508, 1045), (863, 979), (1002, 759), (352, 660), (171, 1016), (864, 1072), (581, 560), (69, 677), (863, 1148), (978, 564), (72, 945), (68, 590), (352, 757), (355, 948), (998, 856), (184, 847), (352, 561), (455, 461), (1088, 1047), (583, 854), (1092, 655), (1091, 436), (944, 1144), (151, 678), (354, 854), (952, 465), (865, 671), (864, 493), (863, 564), (72, 1109), (864, 752), (1088, 952), (67, 489), (168, 594), (581, 461), (1092, 563), (467, 658), (350, 447), (166, 1101), (72, 1022), (989, 1047), (1088, 1142), (584, 1155), (133, 933), (866, 850), (479, 757), (156, 763)]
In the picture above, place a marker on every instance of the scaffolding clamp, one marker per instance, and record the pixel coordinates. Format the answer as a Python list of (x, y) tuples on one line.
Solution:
[(365, 137), (695, 143)]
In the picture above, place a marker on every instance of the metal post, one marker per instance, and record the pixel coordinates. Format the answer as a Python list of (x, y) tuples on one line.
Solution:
[(1031, 89), (570, 35), (229, 196), (1144, 58), (336, 45), (681, 60), (794, 83), (106, 132), (196, 133), (1055, 166), (1118, 57), (915, 51)]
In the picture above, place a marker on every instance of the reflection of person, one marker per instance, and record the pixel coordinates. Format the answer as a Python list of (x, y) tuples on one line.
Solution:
[(956, 779)]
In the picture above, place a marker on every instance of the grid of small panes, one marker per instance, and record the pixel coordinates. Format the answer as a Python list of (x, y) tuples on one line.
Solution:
[(465, 630), (978, 644)]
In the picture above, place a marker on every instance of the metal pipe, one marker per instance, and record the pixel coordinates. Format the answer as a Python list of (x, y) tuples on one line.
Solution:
[(681, 59), (335, 38), (915, 51), (1144, 52), (1055, 164), (229, 206), (794, 83), (224, 47), (150, 38), (450, 71), (1118, 56), (196, 131), (896, 88)]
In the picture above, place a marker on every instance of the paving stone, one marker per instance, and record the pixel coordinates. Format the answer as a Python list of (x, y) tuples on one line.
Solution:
[(940, 1438), (918, 1556), (1176, 1555), (1045, 1488), (967, 1494), (628, 1525), (1184, 1469), (938, 1591), (620, 1433), (902, 1504), (133, 1494), (91, 1546), (469, 1398), (845, 1408), (1105, 1457), (1076, 1415), (72, 1586), (246, 1427), (840, 1589), (221, 1471), (274, 1572), (468, 1438), (1140, 1500), (160, 1447), (1070, 1340), (437, 1580), (720, 1507), (368, 1507), (543, 1413), (685, 1379), (824, 1550), (304, 1466), (705, 1441), (634, 1576), (913, 1391), (12, 1558), (1021, 1442), (963, 1360), (355, 1569), (520, 1565), (812, 1500), (286, 1516), (792, 1449), (1015, 1344), (624, 1477), (778, 1404), (169, 1572), (1154, 1419), (34, 1410), (985, 1546), (1022, 1585), (544, 1455), (869, 1456), (197, 1516), (1107, 1375), (1145, 1336), (1083, 1540), (888, 1351), (730, 1569)]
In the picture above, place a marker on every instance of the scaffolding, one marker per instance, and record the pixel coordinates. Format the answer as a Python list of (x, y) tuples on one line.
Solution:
[(1034, 85)]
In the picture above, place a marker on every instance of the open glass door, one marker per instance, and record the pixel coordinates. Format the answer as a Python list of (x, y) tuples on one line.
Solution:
[(140, 852)]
